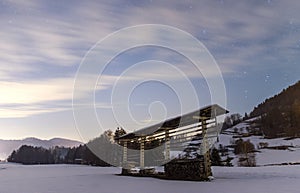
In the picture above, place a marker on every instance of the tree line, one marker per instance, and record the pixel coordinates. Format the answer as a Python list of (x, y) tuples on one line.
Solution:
[(280, 115), (82, 154), (57, 155)]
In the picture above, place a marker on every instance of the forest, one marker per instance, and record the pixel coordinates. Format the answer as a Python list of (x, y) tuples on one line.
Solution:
[(280, 114), (62, 155)]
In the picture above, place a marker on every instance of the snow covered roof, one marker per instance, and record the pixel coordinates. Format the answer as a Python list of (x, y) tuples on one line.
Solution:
[(205, 113)]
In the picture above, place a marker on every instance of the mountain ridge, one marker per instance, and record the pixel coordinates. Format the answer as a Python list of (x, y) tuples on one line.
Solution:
[(280, 114), (7, 146)]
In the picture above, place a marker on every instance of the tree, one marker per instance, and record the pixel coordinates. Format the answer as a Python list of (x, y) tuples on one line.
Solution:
[(228, 161), (31, 155), (245, 149), (245, 116), (215, 158), (12, 157), (236, 118), (105, 148), (280, 116), (70, 157), (227, 123), (119, 132)]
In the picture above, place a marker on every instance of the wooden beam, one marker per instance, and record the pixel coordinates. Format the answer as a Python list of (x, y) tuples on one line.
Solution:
[(201, 117)]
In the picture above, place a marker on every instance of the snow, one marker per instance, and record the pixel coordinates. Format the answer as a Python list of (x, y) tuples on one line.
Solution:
[(264, 156), (15, 178), (267, 157), (77, 179)]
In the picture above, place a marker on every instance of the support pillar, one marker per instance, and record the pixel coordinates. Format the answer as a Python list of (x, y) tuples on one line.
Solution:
[(216, 123), (125, 166), (142, 153), (125, 154), (207, 163), (215, 116), (167, 146)]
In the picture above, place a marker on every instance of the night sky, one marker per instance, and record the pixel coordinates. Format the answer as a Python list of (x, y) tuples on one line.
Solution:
[(256, 45)]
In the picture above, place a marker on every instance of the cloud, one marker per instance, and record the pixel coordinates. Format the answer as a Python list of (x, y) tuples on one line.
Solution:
[(39, 34), (36, 91), (34, 97), (234, 32), (30, 98), (229, 29), (21, 111), (34, 43)]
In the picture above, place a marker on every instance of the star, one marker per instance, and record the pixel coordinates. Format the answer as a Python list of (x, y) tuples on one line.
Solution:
[(267, 78), (246, 94)]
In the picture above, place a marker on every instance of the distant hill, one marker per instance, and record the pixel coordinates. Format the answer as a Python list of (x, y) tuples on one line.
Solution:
[(7, 146), (281, 113)]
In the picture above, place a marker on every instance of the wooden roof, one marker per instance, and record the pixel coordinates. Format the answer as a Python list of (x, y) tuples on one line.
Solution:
[(206, 113)]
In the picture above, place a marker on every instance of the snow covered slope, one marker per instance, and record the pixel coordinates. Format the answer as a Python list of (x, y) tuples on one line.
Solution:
[(269, 151)]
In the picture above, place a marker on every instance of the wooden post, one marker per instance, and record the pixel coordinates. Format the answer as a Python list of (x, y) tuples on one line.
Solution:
[(125, 154), (167, 146), (207, 163), (142, 153), (216, 123), (215, 116)]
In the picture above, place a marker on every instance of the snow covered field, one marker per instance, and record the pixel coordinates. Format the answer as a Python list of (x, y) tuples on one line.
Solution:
[(78, 179)]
